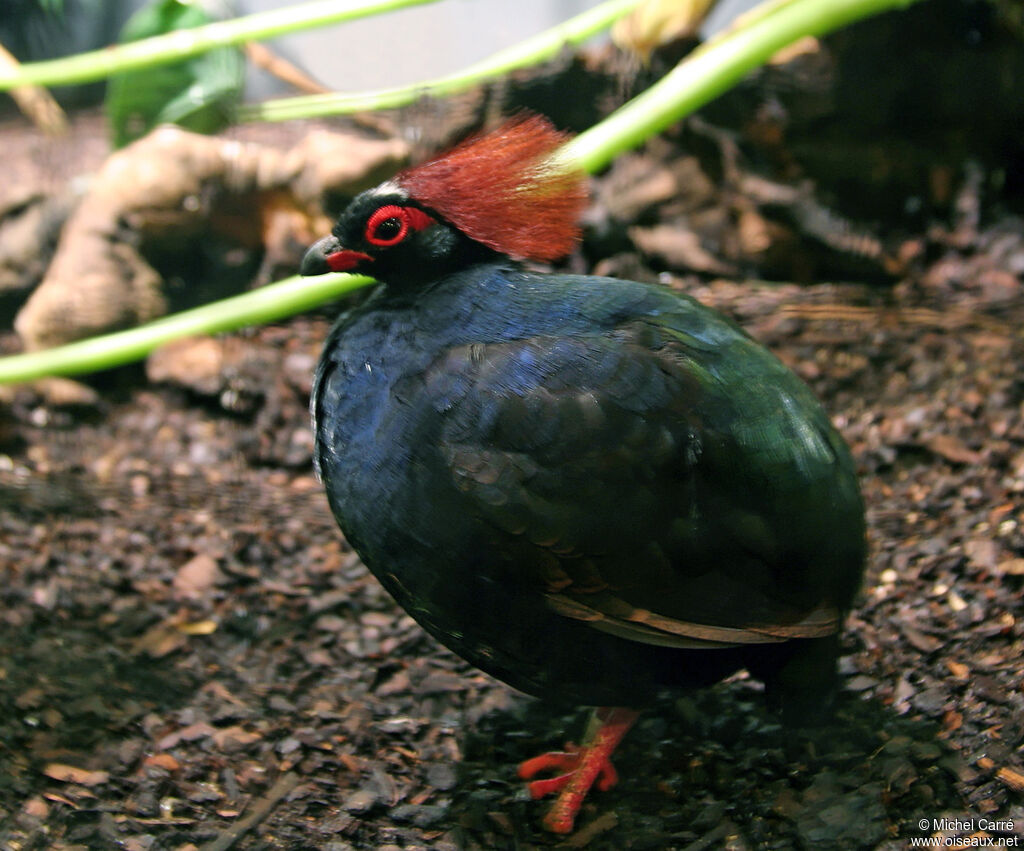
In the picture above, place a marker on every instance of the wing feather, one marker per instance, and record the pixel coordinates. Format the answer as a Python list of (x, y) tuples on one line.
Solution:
[(623, 457)]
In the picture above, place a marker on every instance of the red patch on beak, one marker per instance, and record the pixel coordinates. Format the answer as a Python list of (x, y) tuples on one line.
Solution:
[(343, 261)]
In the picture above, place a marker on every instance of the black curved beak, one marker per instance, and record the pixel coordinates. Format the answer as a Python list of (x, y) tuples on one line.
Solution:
[(315, 260), (327, 255)]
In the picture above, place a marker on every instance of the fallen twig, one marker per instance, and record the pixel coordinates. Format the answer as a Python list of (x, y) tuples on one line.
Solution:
[(285, 783), (36, 102)]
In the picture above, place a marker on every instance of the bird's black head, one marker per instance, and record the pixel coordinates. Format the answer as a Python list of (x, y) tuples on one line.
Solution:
[(383, 233), (497, 194)]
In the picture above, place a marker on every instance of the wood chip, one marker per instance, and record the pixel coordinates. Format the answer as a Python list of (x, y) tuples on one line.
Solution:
[(1010, 567), (958, 670)]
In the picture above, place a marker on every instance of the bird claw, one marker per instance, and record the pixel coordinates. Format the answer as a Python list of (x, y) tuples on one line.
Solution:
[(567, 761), (548, 785)]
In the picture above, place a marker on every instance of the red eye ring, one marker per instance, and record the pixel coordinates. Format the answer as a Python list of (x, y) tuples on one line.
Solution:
[(408, 218)]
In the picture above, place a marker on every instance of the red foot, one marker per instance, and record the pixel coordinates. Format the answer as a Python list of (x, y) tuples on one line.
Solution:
[(568, 761), (584, 766)]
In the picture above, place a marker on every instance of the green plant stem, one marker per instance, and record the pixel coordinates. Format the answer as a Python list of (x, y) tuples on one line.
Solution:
[(711, 69), (97, 64), (700, 77), (532, 51), (267, 304)]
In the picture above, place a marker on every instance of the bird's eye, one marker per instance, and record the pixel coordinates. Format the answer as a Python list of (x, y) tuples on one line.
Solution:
[(391, 224), (388, 230)]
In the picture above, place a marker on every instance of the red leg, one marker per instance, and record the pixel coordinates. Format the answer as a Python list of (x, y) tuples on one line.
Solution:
[(583, 766)]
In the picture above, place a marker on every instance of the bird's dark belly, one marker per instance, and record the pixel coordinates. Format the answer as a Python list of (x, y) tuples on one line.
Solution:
[(410, 526)]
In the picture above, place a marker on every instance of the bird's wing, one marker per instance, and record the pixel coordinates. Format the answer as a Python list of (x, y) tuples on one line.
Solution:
[(629, 485)]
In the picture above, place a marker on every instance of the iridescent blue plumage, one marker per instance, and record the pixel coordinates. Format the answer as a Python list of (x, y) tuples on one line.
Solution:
[(543, 435)]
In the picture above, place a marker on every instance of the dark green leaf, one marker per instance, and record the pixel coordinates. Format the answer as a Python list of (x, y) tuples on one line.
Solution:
[(198, 93)]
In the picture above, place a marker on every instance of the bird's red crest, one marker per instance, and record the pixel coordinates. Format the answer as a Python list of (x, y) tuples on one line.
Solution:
[(500, 189)]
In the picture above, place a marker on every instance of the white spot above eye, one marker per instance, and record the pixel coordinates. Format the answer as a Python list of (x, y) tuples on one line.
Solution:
[(388, 187), (367, 366)]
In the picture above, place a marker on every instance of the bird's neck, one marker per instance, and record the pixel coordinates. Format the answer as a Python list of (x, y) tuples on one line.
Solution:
[(441, 253), (411, 283)]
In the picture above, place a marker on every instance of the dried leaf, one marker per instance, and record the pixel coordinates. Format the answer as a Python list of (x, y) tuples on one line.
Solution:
[(197, 576), (73, 774), (952, 449), (191, 733), (160, 640), (163, 760), (919, 640), (952, 721), (1012, 778), (36, 807), (234, 737), (207, 627), (982, 552), (678, 248), (1010, 567)]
